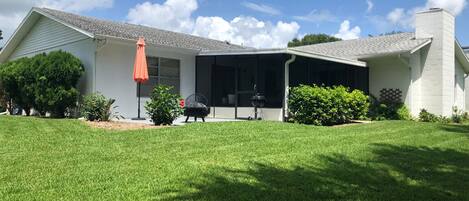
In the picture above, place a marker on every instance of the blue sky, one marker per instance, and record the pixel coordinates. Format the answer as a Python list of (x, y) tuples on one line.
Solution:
[(257, 22)]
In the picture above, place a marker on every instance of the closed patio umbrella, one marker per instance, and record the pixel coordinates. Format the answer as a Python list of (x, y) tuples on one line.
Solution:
[(140, 70)]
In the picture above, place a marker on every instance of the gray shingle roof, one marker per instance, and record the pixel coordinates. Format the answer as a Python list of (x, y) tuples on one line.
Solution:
[(369, 47), (132, 32)]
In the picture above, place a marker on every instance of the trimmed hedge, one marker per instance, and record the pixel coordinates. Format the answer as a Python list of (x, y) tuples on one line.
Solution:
[(45, 82), (326, 105)]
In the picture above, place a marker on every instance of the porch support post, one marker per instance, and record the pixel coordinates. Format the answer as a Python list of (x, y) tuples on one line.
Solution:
[(287, 86)]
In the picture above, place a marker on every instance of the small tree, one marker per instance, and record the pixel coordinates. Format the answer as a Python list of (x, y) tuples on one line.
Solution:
[(17, 79), (312, 39), (163, 107), (57, 75)]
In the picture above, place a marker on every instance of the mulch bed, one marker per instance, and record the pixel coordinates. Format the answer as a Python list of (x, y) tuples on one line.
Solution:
[(120, 126)]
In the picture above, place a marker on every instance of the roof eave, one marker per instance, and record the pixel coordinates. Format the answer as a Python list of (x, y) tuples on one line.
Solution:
[(7, 48), (133, 42), (462, 56), (285, 51), (89, 34), (327, 57), (24, 28)]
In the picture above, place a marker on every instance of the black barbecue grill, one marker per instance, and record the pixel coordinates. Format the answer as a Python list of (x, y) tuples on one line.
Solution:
[(257, 101), (196, 106)]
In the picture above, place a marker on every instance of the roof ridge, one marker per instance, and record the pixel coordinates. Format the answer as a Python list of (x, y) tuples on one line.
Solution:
[(360, 39), (49, 10)]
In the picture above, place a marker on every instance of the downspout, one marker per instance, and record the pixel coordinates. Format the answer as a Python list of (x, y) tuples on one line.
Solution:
[(287, 86)]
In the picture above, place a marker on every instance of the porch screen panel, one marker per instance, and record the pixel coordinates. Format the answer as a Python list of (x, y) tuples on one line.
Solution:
[(224, 81), (324, 73), (271, 79), (204, 76)]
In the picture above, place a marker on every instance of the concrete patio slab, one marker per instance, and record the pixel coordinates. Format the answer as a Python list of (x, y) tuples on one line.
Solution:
[(180, 121)]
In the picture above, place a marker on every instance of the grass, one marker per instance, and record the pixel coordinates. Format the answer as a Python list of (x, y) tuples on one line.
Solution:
[(44, 159)]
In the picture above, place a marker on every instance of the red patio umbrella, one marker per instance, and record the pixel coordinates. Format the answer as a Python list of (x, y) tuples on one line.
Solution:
[(140, 70)]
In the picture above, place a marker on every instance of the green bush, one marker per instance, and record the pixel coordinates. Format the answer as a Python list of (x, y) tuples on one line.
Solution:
[(403, 113), (163, 107), (326, 105), (458, 116), (57, 75), (359, 104), (388, 111), (3, 100), (425, 116), (17, 78), (96, 107), (45, 82)]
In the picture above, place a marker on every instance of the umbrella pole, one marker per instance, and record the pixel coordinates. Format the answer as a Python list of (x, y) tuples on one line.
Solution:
[(138, 114), (138, 109)]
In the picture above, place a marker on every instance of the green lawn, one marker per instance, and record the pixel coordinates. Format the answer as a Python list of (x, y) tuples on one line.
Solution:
[(44, 159)]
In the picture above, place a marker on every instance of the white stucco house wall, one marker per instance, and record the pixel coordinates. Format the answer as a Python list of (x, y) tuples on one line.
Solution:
[(429, 66)]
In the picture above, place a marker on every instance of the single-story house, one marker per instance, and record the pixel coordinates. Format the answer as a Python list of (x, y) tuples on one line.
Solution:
[(428, 66)]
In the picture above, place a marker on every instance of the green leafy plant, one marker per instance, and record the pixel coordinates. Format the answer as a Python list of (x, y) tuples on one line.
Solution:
[(326, 105), (163, 107), (96, 107), (17, 79), (45, 82), (458, 115), (425, 116), (386, 110), (56, 78)]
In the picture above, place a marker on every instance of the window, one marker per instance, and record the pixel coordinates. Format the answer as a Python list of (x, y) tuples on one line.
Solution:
[(162, 71)]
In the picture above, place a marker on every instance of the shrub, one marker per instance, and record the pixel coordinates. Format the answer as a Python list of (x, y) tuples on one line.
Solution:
[(458, 116), (163, 107), (45, 82), (359, 104), (388, 110), (403, 113), (326, 105), (425, 116), (96, 107), (17, 78), (3, 100), (57, 76)]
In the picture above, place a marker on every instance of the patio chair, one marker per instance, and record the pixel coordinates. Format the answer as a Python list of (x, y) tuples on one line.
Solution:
[(196, 106)]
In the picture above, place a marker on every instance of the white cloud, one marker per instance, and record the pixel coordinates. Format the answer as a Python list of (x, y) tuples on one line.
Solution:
[(262, 8), (172, 15), (13, 11), (406, 18), (453, 6), (346, 33), (402, 18), (176, 15), (370, 6), (76, 6), (248, 31), (316, 16)]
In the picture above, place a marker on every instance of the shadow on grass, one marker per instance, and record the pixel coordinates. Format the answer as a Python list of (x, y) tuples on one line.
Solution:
[(463, 129), (395, 173)]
